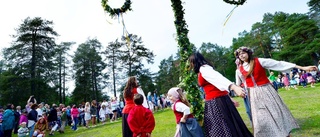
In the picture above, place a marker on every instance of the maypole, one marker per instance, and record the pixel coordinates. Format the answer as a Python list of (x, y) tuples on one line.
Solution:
[(188, 78)]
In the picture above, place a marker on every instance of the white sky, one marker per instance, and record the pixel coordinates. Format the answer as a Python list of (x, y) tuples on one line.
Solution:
[(77, 20)]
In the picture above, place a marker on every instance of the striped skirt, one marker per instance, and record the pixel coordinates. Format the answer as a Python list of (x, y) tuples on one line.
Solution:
[(270, 116), (221, 119)]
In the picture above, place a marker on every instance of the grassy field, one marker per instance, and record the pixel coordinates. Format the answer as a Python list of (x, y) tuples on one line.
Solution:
[(304, 104)]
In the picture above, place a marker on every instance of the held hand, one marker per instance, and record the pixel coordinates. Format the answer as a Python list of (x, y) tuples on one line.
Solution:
[(182, 120), (236, 103), (307, 68), (148, 134), (311, 68), (139, 135), (238, 90)]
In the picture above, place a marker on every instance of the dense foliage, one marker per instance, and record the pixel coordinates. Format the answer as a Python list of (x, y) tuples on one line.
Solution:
[(187, 78)]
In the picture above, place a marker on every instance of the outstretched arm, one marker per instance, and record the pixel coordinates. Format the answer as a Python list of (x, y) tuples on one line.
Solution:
[(306, 68)]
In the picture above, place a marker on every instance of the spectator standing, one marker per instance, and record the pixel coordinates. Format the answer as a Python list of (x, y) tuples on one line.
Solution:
[(53, 119), (63, 120), (87, 115), (273, 80), (23, 116), (102, 113), (1, 115), (17, 114), (114, 106), (8, 121), (93, 112), (32, 118), (74, 115)]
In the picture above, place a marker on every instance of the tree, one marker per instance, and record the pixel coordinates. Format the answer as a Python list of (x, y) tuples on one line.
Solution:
[(146, 81), (314, 11), (113, 56), (299, 37), (168, 75), (31, 58), (88, 66), (62, 61), (134, 54)]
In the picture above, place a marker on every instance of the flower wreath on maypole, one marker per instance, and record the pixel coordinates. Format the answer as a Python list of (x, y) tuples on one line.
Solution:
[(116, 11), (113, 12)]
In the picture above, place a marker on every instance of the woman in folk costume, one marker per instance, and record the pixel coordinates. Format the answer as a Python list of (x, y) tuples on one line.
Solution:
[(270, 116), (221, 118)]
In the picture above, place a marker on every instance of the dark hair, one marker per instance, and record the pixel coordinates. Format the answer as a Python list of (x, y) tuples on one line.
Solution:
[(34, 106), (131, 84), (250, 58), (138, 99), (9, 106), (196, 60)]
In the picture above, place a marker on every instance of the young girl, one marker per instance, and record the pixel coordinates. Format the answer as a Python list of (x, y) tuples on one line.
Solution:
[(310, 79), (186, 124), (285, 79), (102, 114), (270, 116), (114, 105), (93, 112), (40, 128), (87, 116)]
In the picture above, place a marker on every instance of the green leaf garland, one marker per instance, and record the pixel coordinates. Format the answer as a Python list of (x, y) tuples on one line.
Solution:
[(116, 11), (235, 2)]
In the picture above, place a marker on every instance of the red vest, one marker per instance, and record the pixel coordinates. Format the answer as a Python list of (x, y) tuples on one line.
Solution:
[(129, 102), (258, 73), (179, 115), (210, 90)]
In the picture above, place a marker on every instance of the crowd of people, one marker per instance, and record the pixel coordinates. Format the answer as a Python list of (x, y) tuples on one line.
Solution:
[(295, 78), (267, 112), (37, 120)]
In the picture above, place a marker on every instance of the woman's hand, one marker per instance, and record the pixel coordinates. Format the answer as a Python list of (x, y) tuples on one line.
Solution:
[(236, 103), (238, 90), (307, 68)]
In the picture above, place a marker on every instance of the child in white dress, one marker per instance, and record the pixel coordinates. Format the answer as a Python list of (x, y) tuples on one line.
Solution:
[(102, 114), (87, 116)]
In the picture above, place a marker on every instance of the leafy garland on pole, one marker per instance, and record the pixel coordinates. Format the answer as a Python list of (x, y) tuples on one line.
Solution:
[(116, 11), (188, 79), (235, 2)]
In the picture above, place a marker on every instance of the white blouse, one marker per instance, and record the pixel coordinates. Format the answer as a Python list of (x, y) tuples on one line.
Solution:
[(266, 63), (180, 107), (215, 78)]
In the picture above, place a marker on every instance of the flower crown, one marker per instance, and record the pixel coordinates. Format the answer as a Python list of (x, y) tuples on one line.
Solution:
[(245, 49)]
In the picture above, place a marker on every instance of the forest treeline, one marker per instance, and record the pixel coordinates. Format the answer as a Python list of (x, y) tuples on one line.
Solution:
[(34, 64)]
